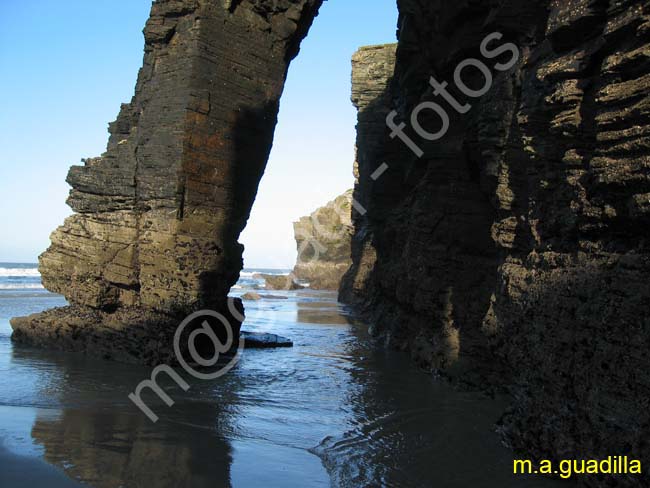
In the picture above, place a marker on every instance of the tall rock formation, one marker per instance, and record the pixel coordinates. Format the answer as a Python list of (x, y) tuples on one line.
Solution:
[(323, 240), (515, 252), (158, 215), (372, 73)]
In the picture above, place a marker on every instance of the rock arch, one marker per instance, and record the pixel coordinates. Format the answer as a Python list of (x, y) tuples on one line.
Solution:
[(519, 242), (157, 216)]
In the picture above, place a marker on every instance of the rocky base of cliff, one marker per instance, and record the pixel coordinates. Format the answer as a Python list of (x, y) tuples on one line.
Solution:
[(321, 276), (586, 320), (129, 335), (280, 282)]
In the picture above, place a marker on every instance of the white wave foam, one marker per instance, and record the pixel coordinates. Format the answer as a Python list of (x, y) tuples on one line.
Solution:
[(23, 286), (19, 272), (251, 274)]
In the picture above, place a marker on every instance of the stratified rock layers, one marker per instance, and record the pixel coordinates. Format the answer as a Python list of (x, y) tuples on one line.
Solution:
[(323, 240), (372, 73), (515, 252), (157, 217)]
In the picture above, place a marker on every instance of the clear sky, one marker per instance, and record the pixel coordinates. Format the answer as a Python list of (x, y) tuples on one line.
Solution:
[(67, 65)]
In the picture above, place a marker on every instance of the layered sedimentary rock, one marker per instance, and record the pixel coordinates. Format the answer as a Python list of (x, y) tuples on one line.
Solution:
[(515, 251), (372, 74), (323, 241), (157, 217)]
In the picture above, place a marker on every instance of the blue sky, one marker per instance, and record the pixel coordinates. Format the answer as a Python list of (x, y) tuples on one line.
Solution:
[(67, 66)]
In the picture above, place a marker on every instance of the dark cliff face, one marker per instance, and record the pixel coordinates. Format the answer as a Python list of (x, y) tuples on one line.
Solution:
[(372, 72), (158, 215), (515, 251)]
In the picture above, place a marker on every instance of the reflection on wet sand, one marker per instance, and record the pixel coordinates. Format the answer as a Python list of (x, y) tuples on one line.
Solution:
[(322, 310), (411, 430), (334, 408), (100, 439), (26, 472), (112, 449)]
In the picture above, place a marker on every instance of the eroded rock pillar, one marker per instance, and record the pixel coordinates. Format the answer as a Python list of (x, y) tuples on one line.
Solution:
[(158, 215)]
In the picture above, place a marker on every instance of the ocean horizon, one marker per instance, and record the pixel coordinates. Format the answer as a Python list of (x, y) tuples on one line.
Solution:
[(18, 276)]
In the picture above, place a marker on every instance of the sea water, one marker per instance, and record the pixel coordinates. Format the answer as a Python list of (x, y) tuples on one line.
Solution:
[(334, 410)]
